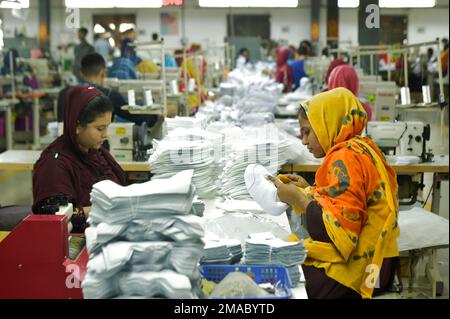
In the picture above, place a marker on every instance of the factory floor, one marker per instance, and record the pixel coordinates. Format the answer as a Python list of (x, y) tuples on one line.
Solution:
[(15, 189)]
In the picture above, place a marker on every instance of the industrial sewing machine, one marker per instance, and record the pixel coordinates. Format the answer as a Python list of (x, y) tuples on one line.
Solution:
[(406, 139), (403, 138), (128, 141), (37, 259)]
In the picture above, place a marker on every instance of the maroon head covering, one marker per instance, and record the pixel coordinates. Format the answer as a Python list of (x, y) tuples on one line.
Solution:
[(333, 64), (75, 100), (345, 76), (63, 169)]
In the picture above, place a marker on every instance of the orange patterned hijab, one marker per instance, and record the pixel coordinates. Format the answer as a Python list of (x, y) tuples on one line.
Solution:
[(356, 189)]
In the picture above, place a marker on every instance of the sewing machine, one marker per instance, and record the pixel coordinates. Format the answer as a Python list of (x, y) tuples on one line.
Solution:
[(128, 141), (409, 138), (385, 104), (381, 96)]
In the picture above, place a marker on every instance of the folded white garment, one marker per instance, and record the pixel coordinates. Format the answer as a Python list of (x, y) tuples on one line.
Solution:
[(146, 284), (145, 256), (95, 287), (403, 160), (194, 150), (262, 190), (178, 228), (420, 228), (178, 184), (165, 283), (260, 251)]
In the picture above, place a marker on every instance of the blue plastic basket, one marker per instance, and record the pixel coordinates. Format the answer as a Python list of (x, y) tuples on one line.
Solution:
[(274, 274)]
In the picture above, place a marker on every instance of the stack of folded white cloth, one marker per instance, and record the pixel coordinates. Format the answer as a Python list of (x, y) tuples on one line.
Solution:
[(222, 251), (269, 153), (176, 153), (185, 122), (265, 249), (116, 204), (133, 285), (144, 240)]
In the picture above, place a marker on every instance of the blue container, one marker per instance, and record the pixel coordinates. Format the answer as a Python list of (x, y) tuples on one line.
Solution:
[(274, 274)]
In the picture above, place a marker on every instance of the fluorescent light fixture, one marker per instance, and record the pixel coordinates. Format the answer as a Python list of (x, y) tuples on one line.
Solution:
[(126, 26), (112, 26), (391, 3), (113, 3), (138, 3), (407, 3), (348, 3), (248, 3), (89, 3), (99, 29), (14, 4)]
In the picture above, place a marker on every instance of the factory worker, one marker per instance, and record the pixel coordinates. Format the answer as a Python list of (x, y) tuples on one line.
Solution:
[(351, 210), (283, 73), (243, 58), (75, 161), (333, 64), (345, 76)]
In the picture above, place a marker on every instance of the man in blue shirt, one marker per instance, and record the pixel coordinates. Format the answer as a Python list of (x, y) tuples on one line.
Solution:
[(93, 70), (298, 66)]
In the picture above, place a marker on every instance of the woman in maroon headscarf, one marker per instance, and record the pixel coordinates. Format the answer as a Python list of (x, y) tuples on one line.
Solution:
[(75, 161), (283, 73), (333, 64), (345, 76)]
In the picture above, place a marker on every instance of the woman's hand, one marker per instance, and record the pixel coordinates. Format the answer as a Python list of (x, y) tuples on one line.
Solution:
[(86, 211), (294, 179), (292, 195)]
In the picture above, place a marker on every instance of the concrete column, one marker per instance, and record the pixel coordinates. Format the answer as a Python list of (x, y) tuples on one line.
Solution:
[(368, 34), (44, 24)]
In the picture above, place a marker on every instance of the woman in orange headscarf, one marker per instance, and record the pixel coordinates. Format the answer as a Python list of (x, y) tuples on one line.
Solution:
[(351, 210)]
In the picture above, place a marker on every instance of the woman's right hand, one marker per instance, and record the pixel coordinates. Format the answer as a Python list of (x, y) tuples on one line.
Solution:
[(294, 179)]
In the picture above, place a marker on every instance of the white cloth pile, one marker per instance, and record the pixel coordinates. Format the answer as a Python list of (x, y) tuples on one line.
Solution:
[(257, 146), (116, 204), (265, 249), (185, 122), (222, 251), (189, 149), (144, 240)]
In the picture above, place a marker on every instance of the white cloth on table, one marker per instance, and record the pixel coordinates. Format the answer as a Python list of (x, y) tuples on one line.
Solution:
[(420, 228)]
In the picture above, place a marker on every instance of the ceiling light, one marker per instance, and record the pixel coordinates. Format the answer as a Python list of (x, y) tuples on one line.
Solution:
[(113, 3), (248, 3), (99, 29), (407, 3), (126, 26), (112, 26), (348, 3)]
